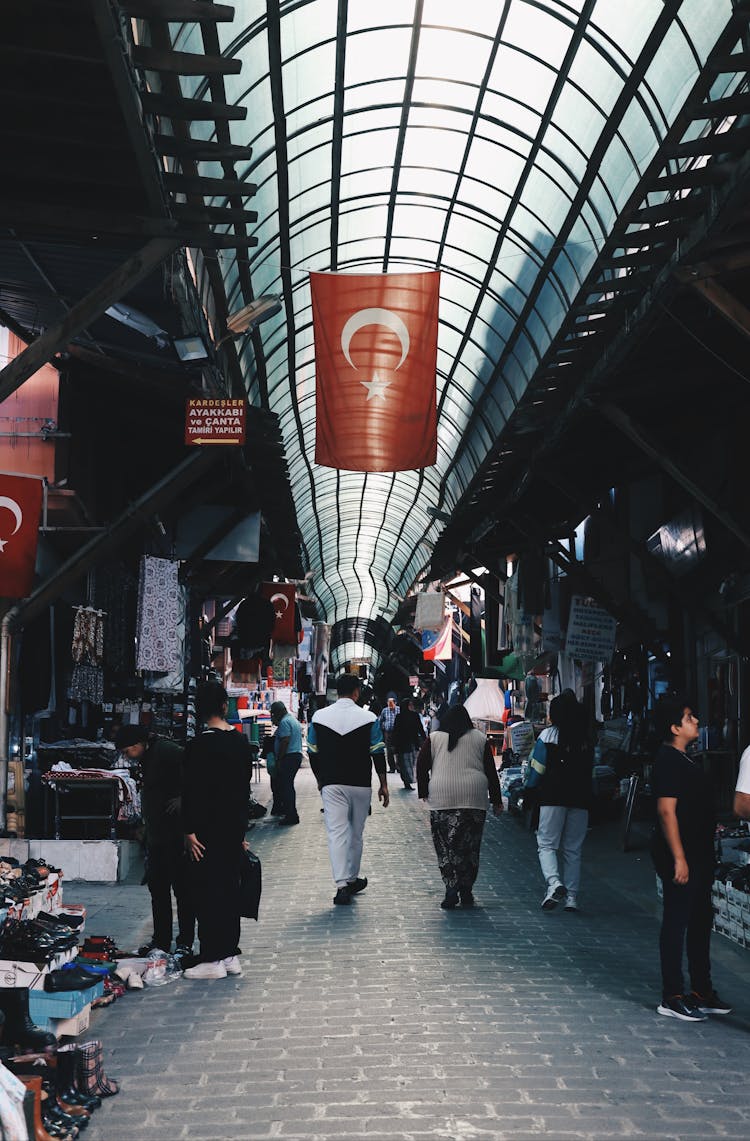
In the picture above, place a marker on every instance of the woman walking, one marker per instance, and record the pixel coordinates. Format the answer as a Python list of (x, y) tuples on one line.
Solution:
[(214, 807), (455, 775), (560, 778)]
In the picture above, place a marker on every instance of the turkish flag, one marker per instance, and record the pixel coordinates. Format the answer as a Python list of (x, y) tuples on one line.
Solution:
[(282, 595), (20, 507), (375, 363)]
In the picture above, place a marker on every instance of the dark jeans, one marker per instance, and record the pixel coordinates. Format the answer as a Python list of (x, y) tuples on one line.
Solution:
[(167, 872), (686, 922), (389, 752), (287, 770), (216, 883)]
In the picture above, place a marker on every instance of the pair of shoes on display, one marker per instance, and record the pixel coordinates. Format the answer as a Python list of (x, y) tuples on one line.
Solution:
[(19, 940), (103, 946), (219, 969), (343, 896), (76, 979), (288, 820), (451, 899), (555, 894)]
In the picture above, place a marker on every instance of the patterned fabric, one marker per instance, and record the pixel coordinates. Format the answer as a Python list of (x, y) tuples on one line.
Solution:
[(90, 1070), (87, 650), (160, 601), (86, 684), (457, 836)]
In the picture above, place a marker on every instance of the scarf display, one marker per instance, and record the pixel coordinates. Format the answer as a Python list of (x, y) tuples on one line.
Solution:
[(159, 615)]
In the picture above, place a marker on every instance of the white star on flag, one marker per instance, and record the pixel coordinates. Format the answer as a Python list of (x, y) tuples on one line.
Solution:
[(3, 544), (376, 387)]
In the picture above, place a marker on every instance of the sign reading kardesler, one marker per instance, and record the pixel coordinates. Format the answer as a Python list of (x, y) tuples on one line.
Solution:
[(214, 421), (591, 631)]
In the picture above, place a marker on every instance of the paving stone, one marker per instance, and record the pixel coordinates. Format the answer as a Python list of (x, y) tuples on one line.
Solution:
[(395, 1021)]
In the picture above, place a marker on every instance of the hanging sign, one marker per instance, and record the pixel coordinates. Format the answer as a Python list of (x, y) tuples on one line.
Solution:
[(214, 421), (591, 631)]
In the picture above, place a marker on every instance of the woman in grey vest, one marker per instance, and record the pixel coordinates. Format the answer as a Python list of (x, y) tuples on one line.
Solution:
[(456, 774)]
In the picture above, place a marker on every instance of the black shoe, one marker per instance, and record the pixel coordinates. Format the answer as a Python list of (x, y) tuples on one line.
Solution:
[(681, 1006), (467, 899), (289, 820), (357, 885), (709, 1002), (343, 895), (409, 787), (391, 770), (451, 899)]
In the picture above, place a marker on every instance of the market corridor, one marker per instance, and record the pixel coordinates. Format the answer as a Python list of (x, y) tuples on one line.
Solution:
[(394, 1019)]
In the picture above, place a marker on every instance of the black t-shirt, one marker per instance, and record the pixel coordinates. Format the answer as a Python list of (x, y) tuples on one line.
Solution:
[(676, 775)]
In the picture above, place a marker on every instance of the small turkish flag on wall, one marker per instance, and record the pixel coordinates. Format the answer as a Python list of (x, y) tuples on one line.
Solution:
[(375, 364), (282, 595), (20, 507)]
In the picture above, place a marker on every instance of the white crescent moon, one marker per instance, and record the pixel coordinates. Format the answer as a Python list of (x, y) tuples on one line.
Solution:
[(383, 317), (14, 509), (283, 596)]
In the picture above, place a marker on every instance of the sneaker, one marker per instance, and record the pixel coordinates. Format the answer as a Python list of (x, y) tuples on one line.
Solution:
[(182, 951), (215, 970), (357, 885), (553, 895), (571, 903), (451, 899), (233, 966), (343, 895), (709, 1002), (467, 898), (681, 1006)]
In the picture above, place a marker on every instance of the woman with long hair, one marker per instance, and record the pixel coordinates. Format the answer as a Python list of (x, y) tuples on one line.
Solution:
[(560, 778), (456, 774)]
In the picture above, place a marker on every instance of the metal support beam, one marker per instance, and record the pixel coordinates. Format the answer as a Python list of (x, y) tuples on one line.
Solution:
[(112, 289), (196, 110), (185, 63), (655, 451), (130, 521), (179, 11)]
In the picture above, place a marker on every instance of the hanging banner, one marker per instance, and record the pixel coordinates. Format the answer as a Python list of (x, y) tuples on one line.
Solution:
[(321, 652), (430, 613), (375, 364), (21, 501), (591, 631), (282, 595), (215, 421), (437, 646)]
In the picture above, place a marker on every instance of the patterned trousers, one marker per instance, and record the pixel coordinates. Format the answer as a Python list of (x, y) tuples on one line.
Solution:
[(457, 836)]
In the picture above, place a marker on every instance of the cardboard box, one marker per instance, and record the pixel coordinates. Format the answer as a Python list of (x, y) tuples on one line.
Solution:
[(16, 973), (61, 1004), (71, 1027)]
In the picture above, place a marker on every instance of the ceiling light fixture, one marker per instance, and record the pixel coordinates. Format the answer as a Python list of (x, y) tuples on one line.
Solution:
[(253, 314)]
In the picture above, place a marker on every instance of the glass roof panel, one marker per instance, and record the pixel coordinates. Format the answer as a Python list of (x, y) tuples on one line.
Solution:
[(446, 165)]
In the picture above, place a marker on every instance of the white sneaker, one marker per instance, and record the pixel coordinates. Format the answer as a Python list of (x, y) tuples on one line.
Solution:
[(232, 966), (555, 892), (215, 970), (571, 903)]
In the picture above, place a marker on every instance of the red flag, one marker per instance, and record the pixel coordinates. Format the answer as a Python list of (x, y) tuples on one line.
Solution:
[(282, 595), (375, 362), (21, 503), (437, 645)]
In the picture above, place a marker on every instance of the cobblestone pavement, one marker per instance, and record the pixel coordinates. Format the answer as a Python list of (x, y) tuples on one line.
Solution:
[(392, 1019)]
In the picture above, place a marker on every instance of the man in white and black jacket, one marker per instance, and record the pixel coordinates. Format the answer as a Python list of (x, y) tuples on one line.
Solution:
[(344, 742)]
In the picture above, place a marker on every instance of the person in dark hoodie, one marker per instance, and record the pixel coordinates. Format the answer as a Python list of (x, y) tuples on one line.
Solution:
[(161, 762), (343, 743)]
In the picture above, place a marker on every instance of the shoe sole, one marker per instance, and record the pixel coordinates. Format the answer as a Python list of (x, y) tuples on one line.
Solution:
[(714, 1010), (549, 905), (665, 1010)]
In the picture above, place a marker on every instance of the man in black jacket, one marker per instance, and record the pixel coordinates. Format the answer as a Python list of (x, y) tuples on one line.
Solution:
[(161, 762)]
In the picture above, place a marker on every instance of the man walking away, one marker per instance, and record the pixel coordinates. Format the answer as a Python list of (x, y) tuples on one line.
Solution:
[(407, 737), (287, 748), (344, 742)]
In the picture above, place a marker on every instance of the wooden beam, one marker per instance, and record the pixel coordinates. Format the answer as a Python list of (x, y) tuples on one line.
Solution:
[(179, 11), (200, 150), (209, 187), (655, 452), (735, 311), (212, 215), (114, 287), (197, 110), (185, 63)]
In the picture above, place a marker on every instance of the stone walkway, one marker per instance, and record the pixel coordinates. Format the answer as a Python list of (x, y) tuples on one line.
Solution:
[(392, 1019)]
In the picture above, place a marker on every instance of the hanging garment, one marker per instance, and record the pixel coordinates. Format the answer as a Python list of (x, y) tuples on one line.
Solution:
[(160, 606), (430, 612)]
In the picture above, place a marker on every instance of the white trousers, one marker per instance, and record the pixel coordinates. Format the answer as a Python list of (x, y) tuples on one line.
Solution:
[(346, 807), (565, 829)]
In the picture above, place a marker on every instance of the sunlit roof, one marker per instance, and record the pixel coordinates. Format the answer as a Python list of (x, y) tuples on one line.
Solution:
[(496, 141)]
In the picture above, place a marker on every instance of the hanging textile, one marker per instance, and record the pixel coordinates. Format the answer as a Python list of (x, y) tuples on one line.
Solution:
[(87, 651), (174, 681), (160, 600), (430, 610)]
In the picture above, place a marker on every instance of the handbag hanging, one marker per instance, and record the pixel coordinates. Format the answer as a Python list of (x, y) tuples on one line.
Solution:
[(250, 884)]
